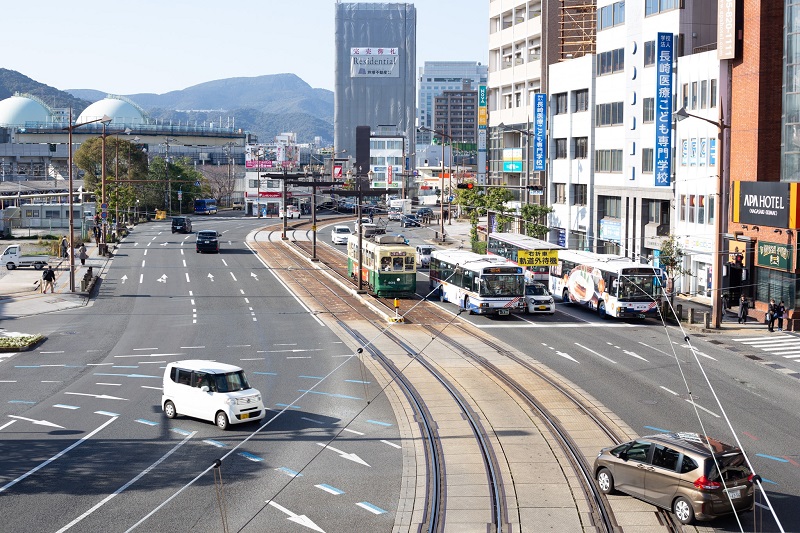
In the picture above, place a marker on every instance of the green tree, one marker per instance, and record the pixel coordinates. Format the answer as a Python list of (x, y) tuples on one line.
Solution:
[(535, 217), (671, 259), (122, 156), (477, 203)]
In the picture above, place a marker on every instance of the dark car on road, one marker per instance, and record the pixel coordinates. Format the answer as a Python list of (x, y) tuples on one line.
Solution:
[(181, 225), (207, 241), (695, 476), (424, 212), (409, 220)]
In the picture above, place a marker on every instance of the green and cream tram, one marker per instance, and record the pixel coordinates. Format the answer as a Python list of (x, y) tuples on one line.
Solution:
[(388, 265)]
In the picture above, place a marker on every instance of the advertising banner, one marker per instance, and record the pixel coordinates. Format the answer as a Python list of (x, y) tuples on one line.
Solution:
[(726, 29), (610, 230), (483, 118), (663, 150), (512, 159), (773, 255), (539, 131), (374, 62)]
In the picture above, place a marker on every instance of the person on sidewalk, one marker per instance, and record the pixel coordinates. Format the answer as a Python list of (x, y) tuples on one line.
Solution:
[(82, 254), (64, 246), (780, 310), (744, 305), (48, 277), (771, 315)]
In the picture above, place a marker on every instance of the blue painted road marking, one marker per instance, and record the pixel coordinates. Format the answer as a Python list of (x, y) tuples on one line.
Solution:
[(310, 377), (658, 429), (328, 488), (62, 406), (129, 375), (357, 381), (266, 373), (287, 405), (146, 422), (216, 443), (250, 456), (289, 472), (22, 401), (180, 431), (330, 394), (106, 413), (125, 366), (379, 423), (371, 508), (765, 480), (780, 459)]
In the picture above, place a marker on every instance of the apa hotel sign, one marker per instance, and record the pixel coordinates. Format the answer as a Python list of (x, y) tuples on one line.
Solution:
[(760, 203)]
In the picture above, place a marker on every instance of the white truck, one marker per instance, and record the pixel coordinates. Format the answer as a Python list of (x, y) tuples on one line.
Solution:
[(398, 208), (12, 258)]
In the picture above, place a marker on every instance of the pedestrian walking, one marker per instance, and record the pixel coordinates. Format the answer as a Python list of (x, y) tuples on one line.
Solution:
[(82, 254), (744, 305), (64, 246), (771, 314), (780, 310), (48, 277)]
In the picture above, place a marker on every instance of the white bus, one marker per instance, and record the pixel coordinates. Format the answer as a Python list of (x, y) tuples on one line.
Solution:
[(610, 284), (538, 255), (481, 284)]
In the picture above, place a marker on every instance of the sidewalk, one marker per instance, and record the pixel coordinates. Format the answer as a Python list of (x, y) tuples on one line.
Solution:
[(20, 288)]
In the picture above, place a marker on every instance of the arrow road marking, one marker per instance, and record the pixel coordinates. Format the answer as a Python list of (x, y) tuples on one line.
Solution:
[(162, 279), (98, 396), (344, 455), (597, 354), (302, 519), (253, 275), (123, 278), (210, 276), (37, 422), (164, 243)]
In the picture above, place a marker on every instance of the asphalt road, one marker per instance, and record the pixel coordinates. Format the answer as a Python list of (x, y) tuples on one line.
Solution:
[(94, 389)]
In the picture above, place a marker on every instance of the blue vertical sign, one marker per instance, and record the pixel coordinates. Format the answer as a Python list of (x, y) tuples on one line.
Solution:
[(539, 131), (663, 152)]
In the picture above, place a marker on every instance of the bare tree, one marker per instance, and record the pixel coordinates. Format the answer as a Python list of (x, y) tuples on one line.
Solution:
[(221, 179)]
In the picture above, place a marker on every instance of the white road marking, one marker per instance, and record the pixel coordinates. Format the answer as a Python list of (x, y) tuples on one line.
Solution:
[(392, 444), (141, 277), (184, 262), (353, 431), (224, 262), (597, 354), (187, 277), (145, 252), (144, 349), (142, 263), (712, 413), (110, 384), (234, 277), (669, 391)]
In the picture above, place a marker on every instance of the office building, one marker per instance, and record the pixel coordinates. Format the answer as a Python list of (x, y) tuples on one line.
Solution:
[(435, 77)]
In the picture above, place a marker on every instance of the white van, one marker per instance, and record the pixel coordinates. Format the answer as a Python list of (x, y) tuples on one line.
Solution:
[(211, 391)]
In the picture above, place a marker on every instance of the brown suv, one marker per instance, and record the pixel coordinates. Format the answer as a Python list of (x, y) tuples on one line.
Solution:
[(694, 476)]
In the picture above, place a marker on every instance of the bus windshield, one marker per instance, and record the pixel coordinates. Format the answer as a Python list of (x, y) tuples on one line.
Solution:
[(502, 285), (638, 288)]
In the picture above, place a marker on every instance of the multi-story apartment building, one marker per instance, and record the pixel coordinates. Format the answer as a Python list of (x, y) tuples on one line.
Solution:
[(456, 117), (435, 77)]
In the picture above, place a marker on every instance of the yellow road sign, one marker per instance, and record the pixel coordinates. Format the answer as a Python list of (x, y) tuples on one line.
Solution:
[(537, 257)]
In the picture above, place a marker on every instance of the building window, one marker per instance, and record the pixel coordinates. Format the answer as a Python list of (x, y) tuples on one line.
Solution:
[(654, 7), (611, 61), (608, 160), (683, 208), (713, 94), (582, 100), (610, 206), (711, 207), (611, 15), (692, 202), (579, 192), (49, 213), (561, 103), (685, 93), (694, 95), (610, 114), (561, 193), (648, 110), (580, 150), (703, 94), (649, 53), (561, 148), (701, 209), (647, 160)]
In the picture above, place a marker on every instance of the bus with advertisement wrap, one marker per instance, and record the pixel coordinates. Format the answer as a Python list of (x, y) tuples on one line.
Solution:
[(481, 284), (612, 285), (534, 255)]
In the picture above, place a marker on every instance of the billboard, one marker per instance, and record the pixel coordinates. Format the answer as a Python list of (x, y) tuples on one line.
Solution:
[(374, 62), (762, 203), (512, 159), (663, 102), (726, 29), (539, 131)]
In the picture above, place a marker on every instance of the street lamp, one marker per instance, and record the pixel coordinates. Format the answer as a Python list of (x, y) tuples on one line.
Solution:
[(716, 272), (105, 119)]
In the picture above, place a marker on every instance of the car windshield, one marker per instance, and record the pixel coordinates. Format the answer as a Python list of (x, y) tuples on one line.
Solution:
[(231, 382), (638, 288), (179, 220), (207, 235), (501, 285), (536, 290), (425, 251), (341, 230)]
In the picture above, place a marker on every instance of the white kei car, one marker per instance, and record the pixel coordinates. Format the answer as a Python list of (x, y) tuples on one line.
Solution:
[(339, 234)]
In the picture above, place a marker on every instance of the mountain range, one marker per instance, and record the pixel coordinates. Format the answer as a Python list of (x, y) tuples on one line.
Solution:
[(265, 105)]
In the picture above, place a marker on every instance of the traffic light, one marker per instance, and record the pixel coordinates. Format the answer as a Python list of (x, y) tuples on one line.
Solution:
[(465, 185), (535, 189)]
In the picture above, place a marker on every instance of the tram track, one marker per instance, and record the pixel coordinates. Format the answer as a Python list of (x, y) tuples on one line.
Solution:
[(337, 300)]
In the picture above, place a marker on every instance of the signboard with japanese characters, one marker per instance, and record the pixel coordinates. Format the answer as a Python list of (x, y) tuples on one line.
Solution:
[(539, 131), (537, 257), (663, 150)]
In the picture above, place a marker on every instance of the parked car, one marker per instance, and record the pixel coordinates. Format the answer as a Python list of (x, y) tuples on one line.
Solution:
[(538, 299), (339, 234), (237, 205), (292, 211), (207, 241), (680, 473), (181, 225), (423, 212), (409, 220), (212, 391), (364, 220), (424, 255)]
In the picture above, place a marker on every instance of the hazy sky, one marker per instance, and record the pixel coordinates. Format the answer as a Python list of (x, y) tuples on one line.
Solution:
[(156, 46)]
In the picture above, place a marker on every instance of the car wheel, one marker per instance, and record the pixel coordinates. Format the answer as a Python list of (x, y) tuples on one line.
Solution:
[(565, 296), (605, 481), (169, 409), (221, 420), (38, 266), (683, 511), (11, 266), (441, 295), (466, 305), (198, 251), (601, 310)]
